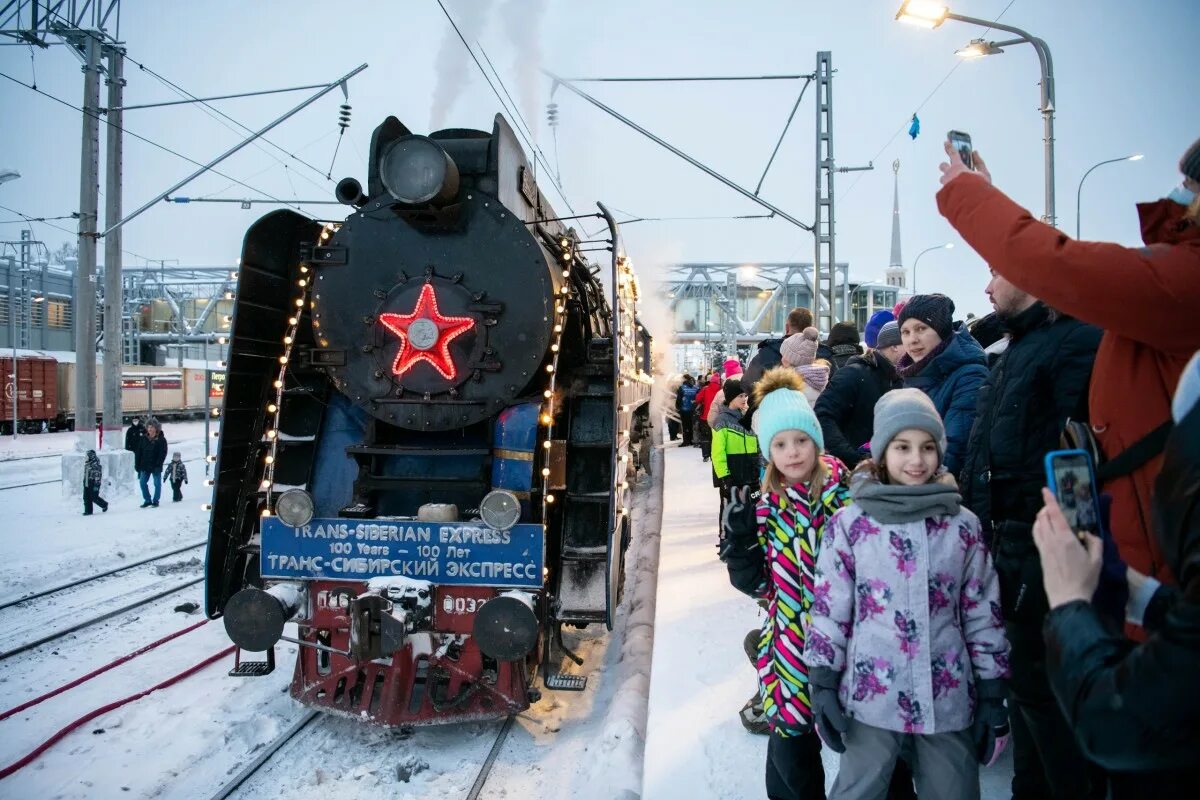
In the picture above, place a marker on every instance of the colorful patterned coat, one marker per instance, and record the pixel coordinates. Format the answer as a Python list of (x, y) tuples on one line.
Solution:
[(909, 613), (789, 529)]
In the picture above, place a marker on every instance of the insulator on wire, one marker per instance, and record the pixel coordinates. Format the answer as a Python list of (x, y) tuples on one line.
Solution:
[(552, 114), (344, 116)]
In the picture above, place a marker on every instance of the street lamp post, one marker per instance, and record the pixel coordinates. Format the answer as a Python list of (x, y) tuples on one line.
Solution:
[(946, 246), (1079, 191), (929, 14)]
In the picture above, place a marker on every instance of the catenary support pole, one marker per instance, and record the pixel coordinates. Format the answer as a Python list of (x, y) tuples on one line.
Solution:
[(85, 272), (113, 296)]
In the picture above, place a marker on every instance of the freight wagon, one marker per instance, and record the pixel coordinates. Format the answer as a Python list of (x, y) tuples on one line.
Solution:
[(46, 389)]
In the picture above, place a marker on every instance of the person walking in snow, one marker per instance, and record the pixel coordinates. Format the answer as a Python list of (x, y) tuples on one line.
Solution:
[(771, 549), (93, 476), (176, 473), (704, 399), (906, 644), (148, 461)]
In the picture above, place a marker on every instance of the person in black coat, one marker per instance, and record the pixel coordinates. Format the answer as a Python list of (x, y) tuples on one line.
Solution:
[(135, 433), (1039, 382), (1134, 708), (842, 345), (148, 460), (846, 408)]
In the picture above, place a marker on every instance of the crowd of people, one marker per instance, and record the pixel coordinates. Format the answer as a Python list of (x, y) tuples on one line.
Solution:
[(146, 440), (926, 599)]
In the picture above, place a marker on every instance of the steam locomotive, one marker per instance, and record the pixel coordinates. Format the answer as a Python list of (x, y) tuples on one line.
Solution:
[(433, 410)]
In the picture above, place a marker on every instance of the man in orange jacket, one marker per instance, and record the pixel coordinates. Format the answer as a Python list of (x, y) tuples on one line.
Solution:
[(1146, 299)]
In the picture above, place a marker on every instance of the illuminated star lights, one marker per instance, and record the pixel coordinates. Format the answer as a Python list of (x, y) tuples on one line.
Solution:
[(425, 335)]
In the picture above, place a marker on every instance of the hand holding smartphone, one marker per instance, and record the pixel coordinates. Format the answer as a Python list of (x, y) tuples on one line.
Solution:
[(1071, 476), (961, 142)]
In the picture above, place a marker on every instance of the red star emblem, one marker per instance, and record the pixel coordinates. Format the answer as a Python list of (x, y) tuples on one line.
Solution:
[(425, 335)]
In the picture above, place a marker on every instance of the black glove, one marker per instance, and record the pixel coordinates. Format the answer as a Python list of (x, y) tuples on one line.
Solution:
[(990, 726), (828, 716), (739, 523), (728, 483)]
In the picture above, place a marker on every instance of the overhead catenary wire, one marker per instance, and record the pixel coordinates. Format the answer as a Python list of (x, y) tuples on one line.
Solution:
[(43, 221), (150, 142)]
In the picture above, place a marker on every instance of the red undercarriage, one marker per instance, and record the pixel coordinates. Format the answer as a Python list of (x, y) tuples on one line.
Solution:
[(423, 683)]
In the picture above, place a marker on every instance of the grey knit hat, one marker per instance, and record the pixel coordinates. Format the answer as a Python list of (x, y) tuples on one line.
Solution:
[(889, 335), (1189, 165), (901, 409)]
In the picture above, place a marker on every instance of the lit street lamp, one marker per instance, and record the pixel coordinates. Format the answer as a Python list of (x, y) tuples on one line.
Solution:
[(946, 246), (930, 14), (1079, 191)]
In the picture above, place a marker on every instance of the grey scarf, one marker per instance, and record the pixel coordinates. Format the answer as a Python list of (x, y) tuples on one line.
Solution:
[(894, 503)]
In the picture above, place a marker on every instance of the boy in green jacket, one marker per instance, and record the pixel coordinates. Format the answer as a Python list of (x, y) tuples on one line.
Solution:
[(735, 457)]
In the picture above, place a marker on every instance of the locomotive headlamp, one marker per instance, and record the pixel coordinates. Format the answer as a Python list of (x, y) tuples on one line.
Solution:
[(500, 510), (416, 170), (295, 508)]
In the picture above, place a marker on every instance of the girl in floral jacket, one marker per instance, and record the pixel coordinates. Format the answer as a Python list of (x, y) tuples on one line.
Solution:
[(906, 643)]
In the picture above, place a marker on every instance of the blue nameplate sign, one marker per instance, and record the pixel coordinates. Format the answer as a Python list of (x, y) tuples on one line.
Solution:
[(461, 554)]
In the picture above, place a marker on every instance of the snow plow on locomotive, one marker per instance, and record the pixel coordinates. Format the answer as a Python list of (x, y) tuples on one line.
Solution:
[(432, 414)]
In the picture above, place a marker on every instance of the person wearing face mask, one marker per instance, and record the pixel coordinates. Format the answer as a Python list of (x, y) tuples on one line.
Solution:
[(1133, 707), (1145, 299)]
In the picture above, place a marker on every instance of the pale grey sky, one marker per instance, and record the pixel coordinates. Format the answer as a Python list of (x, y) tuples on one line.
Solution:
[(1126, 83)]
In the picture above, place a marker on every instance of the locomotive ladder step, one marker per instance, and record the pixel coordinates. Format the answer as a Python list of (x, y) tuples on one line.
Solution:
[(252, 669), (562, 682)]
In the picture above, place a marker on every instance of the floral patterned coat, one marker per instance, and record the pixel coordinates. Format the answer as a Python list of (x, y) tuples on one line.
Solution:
[(790, 527), (909, 613)]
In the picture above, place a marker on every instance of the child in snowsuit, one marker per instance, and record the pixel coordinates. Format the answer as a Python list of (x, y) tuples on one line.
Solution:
[(93, 475), (906, 644), (771, 553), (176, 473), (735, 459)]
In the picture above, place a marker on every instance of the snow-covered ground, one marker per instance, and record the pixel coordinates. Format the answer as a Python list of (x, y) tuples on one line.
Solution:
[(186, 740), (697, 747)]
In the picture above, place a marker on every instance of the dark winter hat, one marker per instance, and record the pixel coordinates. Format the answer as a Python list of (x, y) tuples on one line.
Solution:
[(843, 333), (732, 388), (1189, 165), (877, 321), (935, 310), (901, 409), (889, 335)]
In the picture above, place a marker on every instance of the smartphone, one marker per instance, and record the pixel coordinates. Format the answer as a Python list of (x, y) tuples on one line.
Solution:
[(961, 142), (1072, 477)]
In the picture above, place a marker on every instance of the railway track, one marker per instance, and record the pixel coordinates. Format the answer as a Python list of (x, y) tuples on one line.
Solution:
[(58, 634), (230, 787), (71, 585)]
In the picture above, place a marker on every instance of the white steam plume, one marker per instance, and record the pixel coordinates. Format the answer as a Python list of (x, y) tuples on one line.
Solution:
[(453, 61)]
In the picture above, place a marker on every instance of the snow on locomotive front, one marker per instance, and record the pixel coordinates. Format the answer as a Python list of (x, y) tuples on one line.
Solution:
[(431, 411)]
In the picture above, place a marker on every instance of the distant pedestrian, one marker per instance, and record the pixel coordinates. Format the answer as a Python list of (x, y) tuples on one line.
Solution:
[(148, 460), (843, 344), (768, 355), (685, 402), (704, 400), (136, 432), (93, 476), (176, 473)]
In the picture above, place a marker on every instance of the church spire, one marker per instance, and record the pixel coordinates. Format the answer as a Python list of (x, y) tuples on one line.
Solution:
[(895, 271)]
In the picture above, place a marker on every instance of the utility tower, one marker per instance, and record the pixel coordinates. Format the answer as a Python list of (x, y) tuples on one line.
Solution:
[(823, 230)]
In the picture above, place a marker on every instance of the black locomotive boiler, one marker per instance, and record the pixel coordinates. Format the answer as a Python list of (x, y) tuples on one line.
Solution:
[(432, 414)]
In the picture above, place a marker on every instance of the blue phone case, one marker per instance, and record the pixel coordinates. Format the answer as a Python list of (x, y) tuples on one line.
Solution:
[(1053, 485)]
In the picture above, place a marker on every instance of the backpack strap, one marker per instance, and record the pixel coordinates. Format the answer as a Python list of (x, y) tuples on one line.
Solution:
[(1137, 454)]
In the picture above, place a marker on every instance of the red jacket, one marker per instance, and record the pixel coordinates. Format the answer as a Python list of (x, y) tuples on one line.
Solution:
[(704, 399), (1146, 299)]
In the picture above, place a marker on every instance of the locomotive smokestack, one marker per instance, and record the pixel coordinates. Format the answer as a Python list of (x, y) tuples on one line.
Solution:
[(349, 191), (254, 618)]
